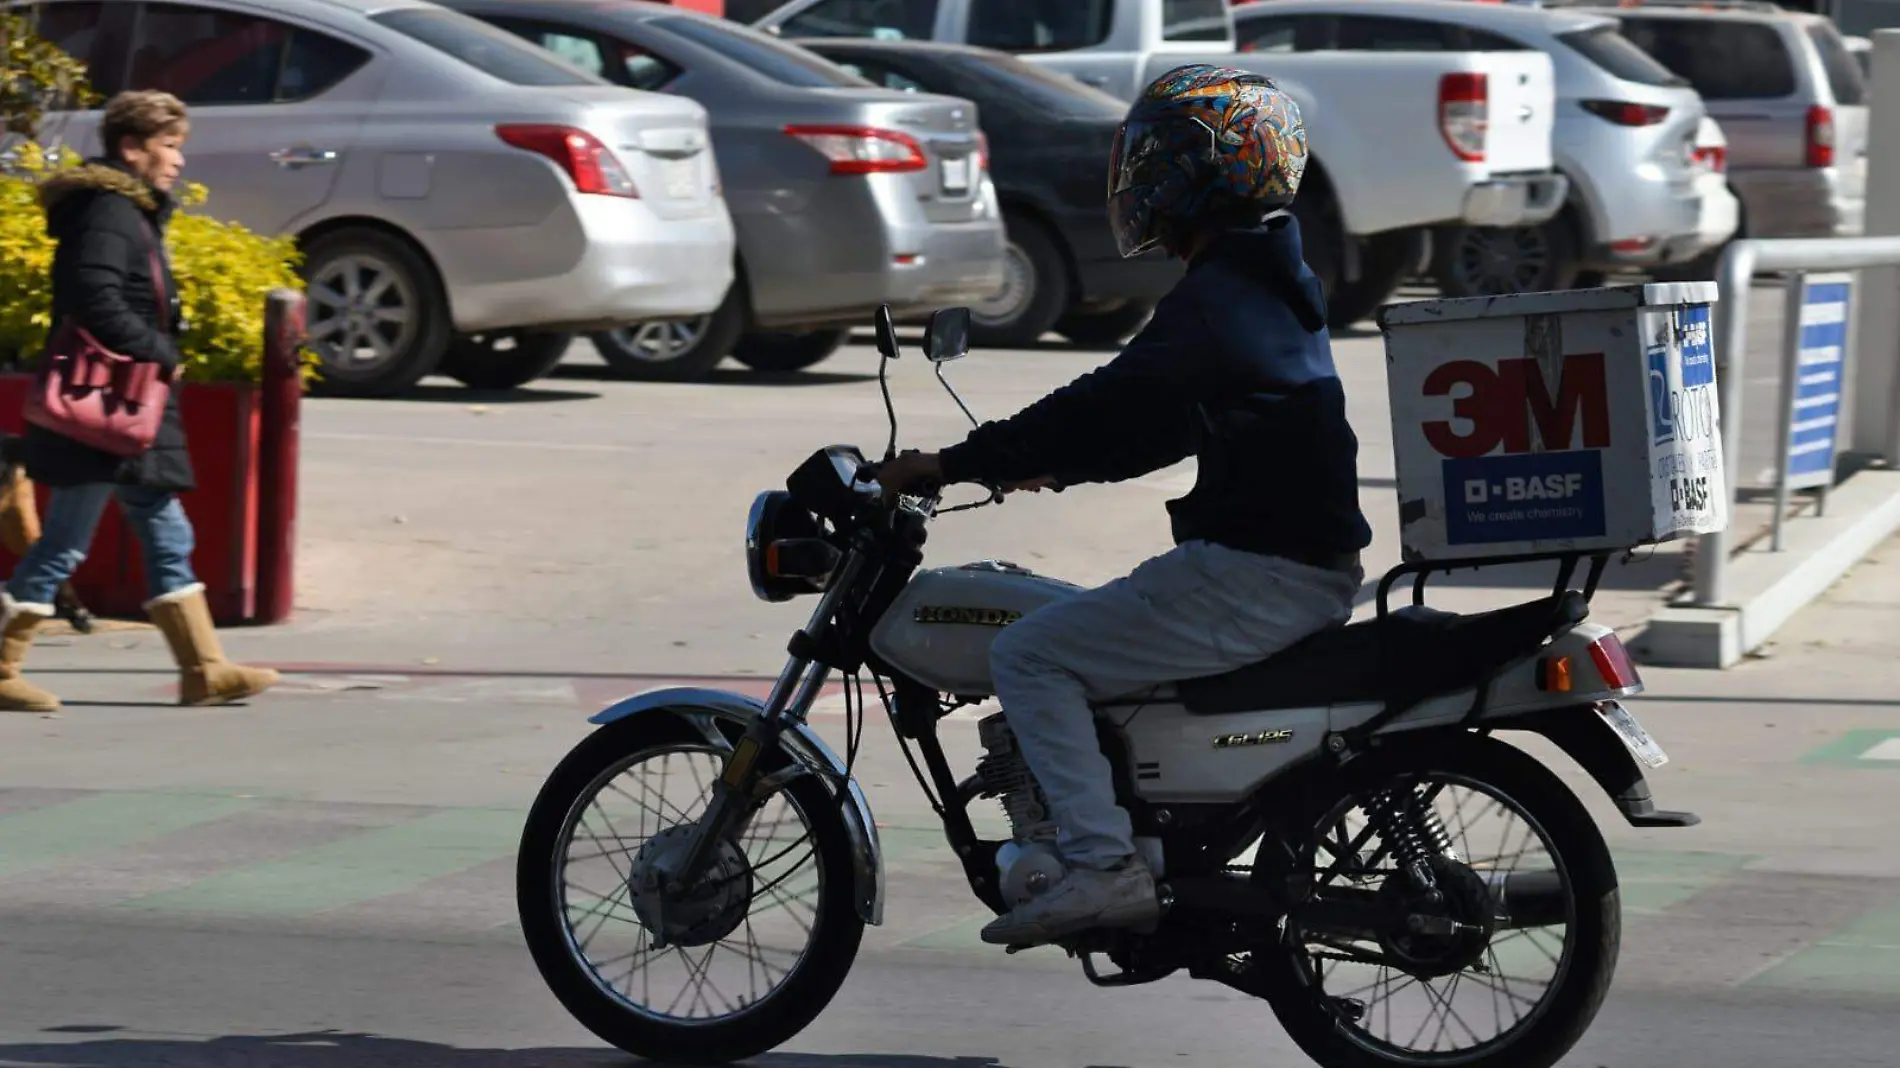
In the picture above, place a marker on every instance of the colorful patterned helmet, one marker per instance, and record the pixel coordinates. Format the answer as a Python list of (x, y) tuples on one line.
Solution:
[(1202, 142)]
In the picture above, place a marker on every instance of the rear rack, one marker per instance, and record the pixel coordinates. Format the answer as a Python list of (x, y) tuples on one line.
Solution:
[(1568, 561)]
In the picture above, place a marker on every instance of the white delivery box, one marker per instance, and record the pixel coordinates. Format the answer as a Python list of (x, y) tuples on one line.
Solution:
[(1551, 423)]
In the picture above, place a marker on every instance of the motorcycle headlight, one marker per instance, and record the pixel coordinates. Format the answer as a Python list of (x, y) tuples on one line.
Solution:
[(786, 553)]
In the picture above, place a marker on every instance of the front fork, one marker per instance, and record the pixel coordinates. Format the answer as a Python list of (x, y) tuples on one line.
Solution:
[(740, 787)]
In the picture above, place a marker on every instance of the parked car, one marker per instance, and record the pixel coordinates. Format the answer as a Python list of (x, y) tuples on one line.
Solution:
[(1624, 134), (1862, 49), (1790, 98), (1721, 214), (1049, 138), (463, 200), (845, 196), (1401, 143)]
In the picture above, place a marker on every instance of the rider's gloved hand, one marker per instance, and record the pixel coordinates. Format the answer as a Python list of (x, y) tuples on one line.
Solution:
[(901, 473)]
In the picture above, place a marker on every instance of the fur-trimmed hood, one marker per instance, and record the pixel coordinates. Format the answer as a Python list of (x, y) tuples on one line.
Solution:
[(69, 189)]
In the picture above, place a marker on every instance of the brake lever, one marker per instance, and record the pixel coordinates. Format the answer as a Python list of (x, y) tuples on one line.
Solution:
[(995, 497)]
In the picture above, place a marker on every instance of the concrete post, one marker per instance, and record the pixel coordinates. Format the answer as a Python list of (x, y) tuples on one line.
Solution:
[(1874, 372)]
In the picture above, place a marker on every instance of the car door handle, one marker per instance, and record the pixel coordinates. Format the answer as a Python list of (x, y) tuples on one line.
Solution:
[(302, 156)]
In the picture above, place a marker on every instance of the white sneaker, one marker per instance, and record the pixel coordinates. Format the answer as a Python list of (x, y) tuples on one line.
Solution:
[(1084, 899)]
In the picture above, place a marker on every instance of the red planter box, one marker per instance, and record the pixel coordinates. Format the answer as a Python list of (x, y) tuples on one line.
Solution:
[(223, 429)]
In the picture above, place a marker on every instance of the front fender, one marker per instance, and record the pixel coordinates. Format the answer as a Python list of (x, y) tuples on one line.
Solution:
[(705, 710)]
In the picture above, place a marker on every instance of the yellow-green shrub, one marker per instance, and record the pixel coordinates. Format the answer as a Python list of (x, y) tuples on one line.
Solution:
[(224, 272)]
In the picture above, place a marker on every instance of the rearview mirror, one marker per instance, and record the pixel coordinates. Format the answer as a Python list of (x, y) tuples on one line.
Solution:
[(948, 336), (886, 333)]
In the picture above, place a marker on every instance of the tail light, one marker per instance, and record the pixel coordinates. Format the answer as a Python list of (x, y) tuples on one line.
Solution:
[(1820, 136), (863, 149), (591, 165), (1464, 114), (1626, 114), (982, 152), (1613, 662), (1714, 157)]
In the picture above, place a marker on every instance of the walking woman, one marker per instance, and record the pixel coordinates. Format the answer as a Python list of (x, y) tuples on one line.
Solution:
[(108, 219)]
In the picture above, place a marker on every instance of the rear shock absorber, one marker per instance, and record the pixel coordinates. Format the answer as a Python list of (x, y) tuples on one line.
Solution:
[(1412, 831)]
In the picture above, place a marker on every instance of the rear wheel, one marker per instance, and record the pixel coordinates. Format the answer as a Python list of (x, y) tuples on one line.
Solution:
[(1489, 261), (784, 353), (674, 350), (508, 359), (733, 967), (1035, 290), (1478, 816)]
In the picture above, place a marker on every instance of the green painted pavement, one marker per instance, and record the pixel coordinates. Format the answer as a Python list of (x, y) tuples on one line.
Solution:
[(41, 837), (1859, 749), (1863, 956)]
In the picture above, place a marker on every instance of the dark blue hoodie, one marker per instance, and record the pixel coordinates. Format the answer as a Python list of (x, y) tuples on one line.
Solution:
[(1235, 369)]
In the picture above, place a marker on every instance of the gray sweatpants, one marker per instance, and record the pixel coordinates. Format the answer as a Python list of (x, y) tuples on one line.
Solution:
[(1200, 609)]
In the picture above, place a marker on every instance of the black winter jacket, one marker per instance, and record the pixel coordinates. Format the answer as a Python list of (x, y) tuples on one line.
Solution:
[(1236, 369), (102, 273)]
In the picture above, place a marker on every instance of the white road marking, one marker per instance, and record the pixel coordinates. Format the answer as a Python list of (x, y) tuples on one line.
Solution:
[(1887, 750)]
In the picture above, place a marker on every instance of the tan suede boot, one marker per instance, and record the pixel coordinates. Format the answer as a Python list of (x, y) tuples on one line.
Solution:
[(205, 677), (19, 512), (16, 636)]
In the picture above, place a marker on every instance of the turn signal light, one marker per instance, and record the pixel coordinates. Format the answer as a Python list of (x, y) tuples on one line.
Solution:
[(1553, 675)]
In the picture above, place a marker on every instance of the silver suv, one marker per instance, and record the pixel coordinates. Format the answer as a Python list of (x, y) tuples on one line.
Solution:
[(1789, 96)]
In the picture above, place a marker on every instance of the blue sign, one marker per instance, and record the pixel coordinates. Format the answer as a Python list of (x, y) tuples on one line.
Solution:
[(1698, 346), (1814, 424), (1525, 497)]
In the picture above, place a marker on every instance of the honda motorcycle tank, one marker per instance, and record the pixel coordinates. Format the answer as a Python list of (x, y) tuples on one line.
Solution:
[(939, 629)]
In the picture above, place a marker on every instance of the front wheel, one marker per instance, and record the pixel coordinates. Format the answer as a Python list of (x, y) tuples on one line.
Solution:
[(1505, 967), (726, 970)]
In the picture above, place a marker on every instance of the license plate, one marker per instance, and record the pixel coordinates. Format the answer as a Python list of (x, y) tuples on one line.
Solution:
[(681, 178), (956, 175), (1632, 733)]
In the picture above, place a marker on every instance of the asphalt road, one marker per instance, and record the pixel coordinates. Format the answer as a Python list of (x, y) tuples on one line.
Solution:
[(324, 879)]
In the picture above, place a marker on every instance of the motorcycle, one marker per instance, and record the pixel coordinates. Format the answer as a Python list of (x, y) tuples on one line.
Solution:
[(1329, 828)]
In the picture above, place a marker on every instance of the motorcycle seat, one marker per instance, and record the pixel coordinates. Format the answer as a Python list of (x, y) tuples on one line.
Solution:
[(1407, 656)]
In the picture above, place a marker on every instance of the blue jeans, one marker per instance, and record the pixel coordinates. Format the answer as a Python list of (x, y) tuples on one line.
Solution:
[(72, 519)]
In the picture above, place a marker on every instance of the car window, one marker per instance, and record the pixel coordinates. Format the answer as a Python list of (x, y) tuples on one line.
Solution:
[(492, 51), (1284, 33), (74, 29), (1608, 49), (1039, 25), (206, 56), (884, 19), (881, 75), (1486, 41), (1039, 88), (1194, 20), (1723, 59), (583, 52), (785, 63), (1843, 70), (1381, 34)]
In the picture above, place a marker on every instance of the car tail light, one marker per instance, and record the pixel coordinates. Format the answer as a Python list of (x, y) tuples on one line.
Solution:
[(1820, 136), (1714, 157), (1613, 662), (1464, 114), (863, 149), (1626, 114), (591, 165), (982, 152)]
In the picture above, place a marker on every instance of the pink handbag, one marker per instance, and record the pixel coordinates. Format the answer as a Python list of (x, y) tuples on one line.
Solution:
[(98, 397)]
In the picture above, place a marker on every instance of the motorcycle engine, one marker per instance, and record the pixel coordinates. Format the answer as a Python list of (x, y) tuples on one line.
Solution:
[(1029, 865)]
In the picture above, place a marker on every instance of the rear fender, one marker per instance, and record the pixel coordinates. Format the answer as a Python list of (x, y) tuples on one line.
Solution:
[(721, 717), (1594, 745)]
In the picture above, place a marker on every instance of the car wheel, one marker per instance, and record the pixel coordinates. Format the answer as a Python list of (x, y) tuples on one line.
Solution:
[(1320, 237), (377, 318), (507, 359), (674, 350), (1486, 261), (1383, 264), (1035, 290), (1105, 329), (784, 353)]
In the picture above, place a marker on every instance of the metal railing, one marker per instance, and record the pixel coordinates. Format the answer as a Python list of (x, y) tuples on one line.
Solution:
[(1734, 274)]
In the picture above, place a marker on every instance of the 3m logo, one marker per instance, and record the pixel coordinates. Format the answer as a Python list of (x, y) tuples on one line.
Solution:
[(1503, 405)]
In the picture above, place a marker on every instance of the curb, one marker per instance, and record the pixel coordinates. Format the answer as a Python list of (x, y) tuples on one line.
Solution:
[(1767, 588)]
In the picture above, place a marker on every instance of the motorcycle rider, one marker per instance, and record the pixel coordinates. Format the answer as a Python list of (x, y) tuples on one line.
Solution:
[(1235, 368)]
